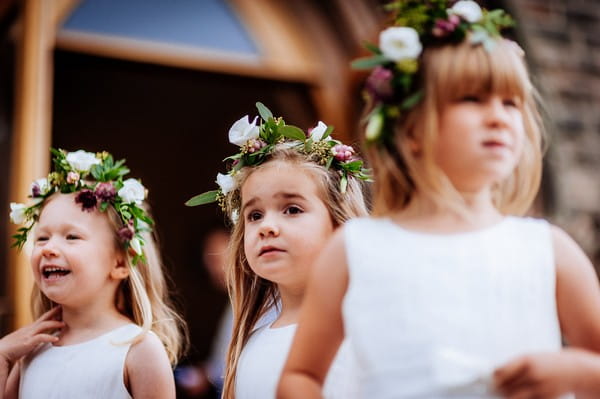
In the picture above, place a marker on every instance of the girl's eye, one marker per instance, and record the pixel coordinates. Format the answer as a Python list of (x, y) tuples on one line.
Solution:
[(254, 216), (73, 237), (470, 99), (293, 210)]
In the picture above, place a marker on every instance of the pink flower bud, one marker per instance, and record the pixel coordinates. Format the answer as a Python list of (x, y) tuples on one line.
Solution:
[(72, 177), (454, 19), (342, 152)]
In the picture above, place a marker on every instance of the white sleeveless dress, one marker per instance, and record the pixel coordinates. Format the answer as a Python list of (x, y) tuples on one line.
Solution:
[(263, 357), (91, 369), (431, 316)]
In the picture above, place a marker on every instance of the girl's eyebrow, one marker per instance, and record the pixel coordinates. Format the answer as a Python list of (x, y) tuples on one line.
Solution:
[(62, 226), (280, 194), (288, 195)]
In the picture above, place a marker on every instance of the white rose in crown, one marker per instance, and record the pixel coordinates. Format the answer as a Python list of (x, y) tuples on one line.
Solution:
[(242, 131), (317, 132), (132, 191), (467, 10), (400, 43), (226, 182), (82, 161), (17, 212)]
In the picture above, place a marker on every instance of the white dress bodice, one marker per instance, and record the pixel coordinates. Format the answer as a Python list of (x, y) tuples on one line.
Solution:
[(431, 316), (263, 357), (92, 369)]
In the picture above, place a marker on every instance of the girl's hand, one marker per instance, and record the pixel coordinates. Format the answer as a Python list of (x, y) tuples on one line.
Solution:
[(540, 376), (19, 343)]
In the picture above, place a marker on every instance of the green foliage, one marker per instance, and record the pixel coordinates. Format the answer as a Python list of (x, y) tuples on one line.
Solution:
[(65, 179), (422, 16), (204, 198), (274, 131)]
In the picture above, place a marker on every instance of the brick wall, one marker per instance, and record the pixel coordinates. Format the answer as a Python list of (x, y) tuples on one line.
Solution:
[(562, 42)]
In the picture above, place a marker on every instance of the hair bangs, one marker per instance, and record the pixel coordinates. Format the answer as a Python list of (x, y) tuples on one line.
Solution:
[(466, 69)]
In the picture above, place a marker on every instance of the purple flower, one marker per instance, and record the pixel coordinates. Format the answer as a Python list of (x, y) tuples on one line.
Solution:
[(444, 27), (379, 83), (343, 152), (87, 199), (105, 192), (35, 190), (126, 232)]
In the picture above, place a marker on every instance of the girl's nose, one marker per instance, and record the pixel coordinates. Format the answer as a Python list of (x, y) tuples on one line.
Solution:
[(497, 114), (49, 250), (269, 227)]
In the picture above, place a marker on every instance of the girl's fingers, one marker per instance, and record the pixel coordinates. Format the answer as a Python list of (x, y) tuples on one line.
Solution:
[(50, 314), (48, 325), (510, 373), (43, 338)]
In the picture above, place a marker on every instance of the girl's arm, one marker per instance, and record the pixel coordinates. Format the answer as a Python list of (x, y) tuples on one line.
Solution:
[(575, 369), (320, 328), (148, 371), (20, 343)]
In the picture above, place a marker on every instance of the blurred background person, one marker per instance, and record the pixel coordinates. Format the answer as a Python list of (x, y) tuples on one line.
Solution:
[(206, 379)]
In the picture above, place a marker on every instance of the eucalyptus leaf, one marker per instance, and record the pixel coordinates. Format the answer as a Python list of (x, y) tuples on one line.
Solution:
[(412, 100), (369, 62), (344, 183), (372, 48), (293, 132), (204, 198), (264, 112), (329, 162), (328, 132)]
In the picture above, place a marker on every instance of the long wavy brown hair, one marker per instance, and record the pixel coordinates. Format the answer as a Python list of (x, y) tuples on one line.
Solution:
[(252, 296)]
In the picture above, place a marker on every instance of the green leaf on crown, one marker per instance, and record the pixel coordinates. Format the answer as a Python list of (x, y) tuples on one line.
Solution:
[(265, 113), (369, 62), (292, 132), (204, 198), (328, 132)]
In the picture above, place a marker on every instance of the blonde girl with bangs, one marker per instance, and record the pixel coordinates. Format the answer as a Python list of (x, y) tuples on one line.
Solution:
[(447, 291), (105, 326), (289, 203)]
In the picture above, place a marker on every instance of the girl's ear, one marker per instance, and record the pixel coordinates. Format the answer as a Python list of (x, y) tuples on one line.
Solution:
[(414, 145), (120, 270)]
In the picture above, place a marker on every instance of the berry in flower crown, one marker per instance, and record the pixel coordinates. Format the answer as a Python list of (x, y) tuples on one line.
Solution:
[(98, 181), (256, 142), (392, 88)]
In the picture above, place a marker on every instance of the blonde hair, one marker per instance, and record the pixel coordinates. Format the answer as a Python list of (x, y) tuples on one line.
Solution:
[(448, 73), (252, 296), (143, 297)]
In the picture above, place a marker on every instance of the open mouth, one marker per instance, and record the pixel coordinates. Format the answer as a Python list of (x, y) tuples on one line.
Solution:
[(54, 272)]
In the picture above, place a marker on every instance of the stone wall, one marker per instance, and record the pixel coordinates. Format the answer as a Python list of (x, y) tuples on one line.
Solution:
[(562, 43)]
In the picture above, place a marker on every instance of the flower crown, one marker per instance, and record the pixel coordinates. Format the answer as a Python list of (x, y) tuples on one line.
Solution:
[(392, 87), (256, 142), (73, 172)]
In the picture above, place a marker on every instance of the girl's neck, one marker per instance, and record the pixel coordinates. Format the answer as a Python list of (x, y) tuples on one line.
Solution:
[(476, 211), (86, 323), (291, 300)]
